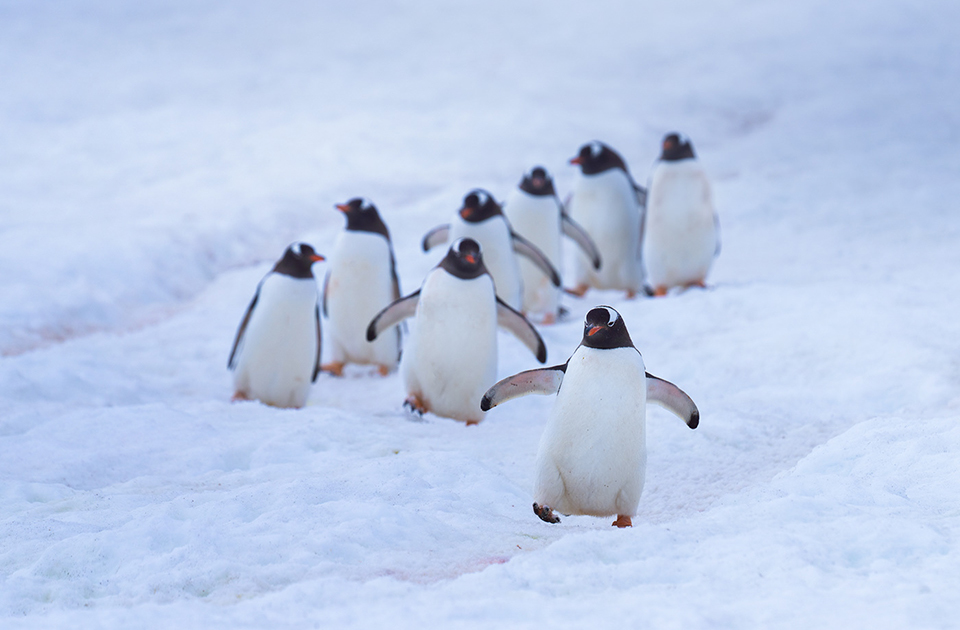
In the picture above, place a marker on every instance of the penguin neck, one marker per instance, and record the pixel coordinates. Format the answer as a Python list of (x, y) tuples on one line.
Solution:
[(368, 222)]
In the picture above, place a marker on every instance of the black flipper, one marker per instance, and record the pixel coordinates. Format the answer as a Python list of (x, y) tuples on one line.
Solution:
[(243, 328), (539, 381), (316, 367), (525, 248), (574, 231), (521, 328), (673, 399), (393, 314), (437, 236)]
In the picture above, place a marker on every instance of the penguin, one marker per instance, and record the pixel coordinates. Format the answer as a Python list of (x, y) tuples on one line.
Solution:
[(481, 218), (609, 205), (450, 358), (681, 235), (536, 213), (592, 455), (361, 279), (276, 354)]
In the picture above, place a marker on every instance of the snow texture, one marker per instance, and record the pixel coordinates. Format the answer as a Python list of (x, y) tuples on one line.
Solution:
[(156, 157)]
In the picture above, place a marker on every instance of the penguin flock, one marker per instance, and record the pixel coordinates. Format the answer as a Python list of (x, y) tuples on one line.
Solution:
[(501, 270)]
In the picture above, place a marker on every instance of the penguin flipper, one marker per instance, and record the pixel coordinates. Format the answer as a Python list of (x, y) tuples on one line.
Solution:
[(326, 283), (231, 362), (576, 232), (673, 399), (641, 193), (516, 323), (539, 381), (316, 366), (437, 236), (393, 314), (525, 248)]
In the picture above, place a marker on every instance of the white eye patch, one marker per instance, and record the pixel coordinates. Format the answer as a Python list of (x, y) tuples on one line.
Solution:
[(612, 315)]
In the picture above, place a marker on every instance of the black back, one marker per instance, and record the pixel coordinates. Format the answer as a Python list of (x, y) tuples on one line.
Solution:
[(538, 183), (297, 261), (676, 147), (362, 216), (478, 206), (464, 260), (596, 157), (604, 328)]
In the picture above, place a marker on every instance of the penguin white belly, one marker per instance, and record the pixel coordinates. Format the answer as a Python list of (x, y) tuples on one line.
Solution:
[(680, 235), (450, 358), (605, 205), (537, 218), (592, 457), (359, 286), (496, 245), (279, 347)]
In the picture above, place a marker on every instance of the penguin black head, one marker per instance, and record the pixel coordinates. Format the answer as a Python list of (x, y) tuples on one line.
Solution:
[(596, 157), (538, 183), (362, 216), (604, 328), (464, 259), (478, 206), (676, 147), (297, 261)]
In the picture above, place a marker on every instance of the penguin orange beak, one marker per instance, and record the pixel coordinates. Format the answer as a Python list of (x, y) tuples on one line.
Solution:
[(576, 160), (466, 213), (342, 207), (316, 258), (593, 329), (470, 258)]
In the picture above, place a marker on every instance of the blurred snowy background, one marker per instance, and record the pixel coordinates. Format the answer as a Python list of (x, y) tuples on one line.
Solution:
[(157, 156)]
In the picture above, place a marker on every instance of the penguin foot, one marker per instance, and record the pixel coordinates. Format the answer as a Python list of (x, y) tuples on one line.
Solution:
[(383, 370), (238, 396), (623, 521), (578, 290), (700, 284), (549, 319), (545, 512), (660, 291), (414, 405), (631, 294), (335, 368)]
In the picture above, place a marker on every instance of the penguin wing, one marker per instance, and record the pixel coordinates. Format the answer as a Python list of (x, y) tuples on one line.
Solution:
[(539, 381), (316, 366), (673, 399), (326, 283), (395, 313), (521, 328), (641, 193), (525, 248), (437, 236), (231, 362), (574, 230), (393, 277)]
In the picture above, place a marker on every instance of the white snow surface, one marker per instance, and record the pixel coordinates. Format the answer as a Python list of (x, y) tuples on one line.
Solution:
[(156, 157)]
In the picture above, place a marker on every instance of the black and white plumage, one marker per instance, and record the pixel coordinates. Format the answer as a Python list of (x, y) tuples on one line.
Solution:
[(536, 213), (450, 357), (681, 234), (592, 455), (361, 280), (276, 353), (609, 205), (481, 218)]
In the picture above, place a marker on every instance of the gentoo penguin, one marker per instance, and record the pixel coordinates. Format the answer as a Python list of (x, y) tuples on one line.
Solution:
[(681, 234), (276, 355), (481, 219), (609, 206), (592, 456), (450, 358), (536, 213), (361, 279)]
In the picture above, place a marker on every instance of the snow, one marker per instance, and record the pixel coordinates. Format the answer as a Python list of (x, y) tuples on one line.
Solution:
[(157, 157)]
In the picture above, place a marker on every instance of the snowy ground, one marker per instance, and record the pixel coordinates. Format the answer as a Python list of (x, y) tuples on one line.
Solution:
[(155, 157)]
